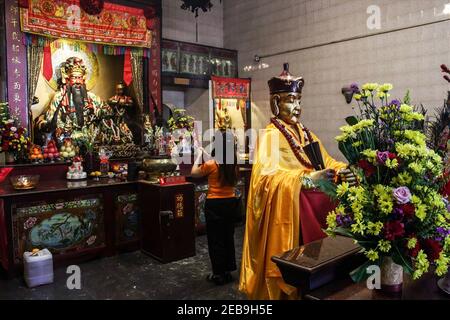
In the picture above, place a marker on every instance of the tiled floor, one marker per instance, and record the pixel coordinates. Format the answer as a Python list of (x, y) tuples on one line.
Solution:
[(135, 276)]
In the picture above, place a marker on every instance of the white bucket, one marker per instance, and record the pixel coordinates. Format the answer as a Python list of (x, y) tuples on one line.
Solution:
[(38, 268)]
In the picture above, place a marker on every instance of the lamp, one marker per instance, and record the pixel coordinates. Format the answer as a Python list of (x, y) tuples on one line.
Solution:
[(257, 64), (195, 5), (347, 91)]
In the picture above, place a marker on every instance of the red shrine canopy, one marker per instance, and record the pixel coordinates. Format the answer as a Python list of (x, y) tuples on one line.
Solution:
[(115, 25)]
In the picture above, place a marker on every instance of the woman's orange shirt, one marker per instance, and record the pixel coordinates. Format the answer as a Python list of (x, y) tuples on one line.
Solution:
[(215, 190)]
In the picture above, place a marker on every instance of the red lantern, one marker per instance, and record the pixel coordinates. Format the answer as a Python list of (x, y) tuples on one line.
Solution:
[(150, 14)]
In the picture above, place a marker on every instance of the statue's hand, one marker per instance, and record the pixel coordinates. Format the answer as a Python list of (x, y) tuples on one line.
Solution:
[(347, 175)]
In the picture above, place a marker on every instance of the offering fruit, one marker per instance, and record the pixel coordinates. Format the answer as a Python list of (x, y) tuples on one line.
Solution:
[(50, 151), (68, 149), (36, 153)]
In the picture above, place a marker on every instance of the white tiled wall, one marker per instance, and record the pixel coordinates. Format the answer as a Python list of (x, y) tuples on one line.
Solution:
[(409, 58), (179, 24)]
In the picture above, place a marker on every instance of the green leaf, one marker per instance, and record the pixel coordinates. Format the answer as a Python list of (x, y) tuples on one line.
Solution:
[(328, 188), (400, 260), (360, 273), (352, 120), (343, 232)]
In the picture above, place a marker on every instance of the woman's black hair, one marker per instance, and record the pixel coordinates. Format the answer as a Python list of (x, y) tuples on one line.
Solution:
[(227, 162)]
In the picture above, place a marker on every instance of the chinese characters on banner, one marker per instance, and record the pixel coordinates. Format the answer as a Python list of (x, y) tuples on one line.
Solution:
[(230, 88), (155, 67), (16, 64)]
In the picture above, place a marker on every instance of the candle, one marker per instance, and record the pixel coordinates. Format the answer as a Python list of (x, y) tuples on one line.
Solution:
[(24, 182)]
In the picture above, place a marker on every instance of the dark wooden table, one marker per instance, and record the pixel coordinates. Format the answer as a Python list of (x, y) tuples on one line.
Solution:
[(112, 209), (320, 270), (424, 288)]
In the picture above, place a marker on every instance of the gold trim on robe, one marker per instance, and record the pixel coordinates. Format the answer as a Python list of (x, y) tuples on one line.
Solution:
[(273, 213)]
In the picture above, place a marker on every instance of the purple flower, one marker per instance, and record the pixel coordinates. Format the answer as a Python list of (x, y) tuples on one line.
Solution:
[(402, 195), (342, 220), (397, 214), (354, 87), (382, 156), (396, 103), (339, 220)]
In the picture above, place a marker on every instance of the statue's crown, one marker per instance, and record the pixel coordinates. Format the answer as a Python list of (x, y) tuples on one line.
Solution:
[(286, 82), (74, 65)]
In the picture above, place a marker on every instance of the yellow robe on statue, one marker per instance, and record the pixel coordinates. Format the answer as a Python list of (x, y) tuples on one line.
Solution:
[(273, 213)]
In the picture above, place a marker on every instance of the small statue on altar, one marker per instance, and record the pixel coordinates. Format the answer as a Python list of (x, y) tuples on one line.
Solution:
[(160, 142), (126, 134), (223, 119), (120, 102), (73, 107), (76, 171), (148, 131), (110, 132)]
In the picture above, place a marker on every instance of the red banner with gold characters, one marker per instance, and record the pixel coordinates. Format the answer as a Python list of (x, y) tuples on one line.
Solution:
[(114, 25), (231, 88)]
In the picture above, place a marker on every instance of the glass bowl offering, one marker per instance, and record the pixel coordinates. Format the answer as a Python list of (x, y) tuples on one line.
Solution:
[(25, 182)]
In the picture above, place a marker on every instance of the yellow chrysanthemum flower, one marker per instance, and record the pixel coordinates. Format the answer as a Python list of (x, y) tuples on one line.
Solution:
[(442, 264), (372, 255), (386, 87), (358, 227), (406, 108), (331, 220), (342, 189), (421, 265), (370, 86), (391, 163), (383, 95), (384, 246), (412, 243), (421, 212), (416, 167), (374, 228)]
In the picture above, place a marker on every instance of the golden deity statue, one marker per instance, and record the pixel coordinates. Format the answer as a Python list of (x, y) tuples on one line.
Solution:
[(281, 168), (72, 107), (223, 119)]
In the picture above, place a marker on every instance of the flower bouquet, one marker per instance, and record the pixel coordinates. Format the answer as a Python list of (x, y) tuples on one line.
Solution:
[(179, 120), (14, 139), (396, 210)]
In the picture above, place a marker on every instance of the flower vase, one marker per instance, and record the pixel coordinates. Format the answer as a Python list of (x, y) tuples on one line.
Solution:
[(9, 157), (391, 276), (89, 162), (444, 283)]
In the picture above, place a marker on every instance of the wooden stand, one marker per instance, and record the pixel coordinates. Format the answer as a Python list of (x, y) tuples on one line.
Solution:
[(317, 263), (168, 221)]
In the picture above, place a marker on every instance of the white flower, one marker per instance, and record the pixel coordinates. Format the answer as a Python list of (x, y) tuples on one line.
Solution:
[(13, 129)]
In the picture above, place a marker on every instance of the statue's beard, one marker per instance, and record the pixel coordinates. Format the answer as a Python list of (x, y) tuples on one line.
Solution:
[(78, 94)]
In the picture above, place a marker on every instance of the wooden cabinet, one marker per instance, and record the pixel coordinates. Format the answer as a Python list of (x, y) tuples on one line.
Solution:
[(168, 221)]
